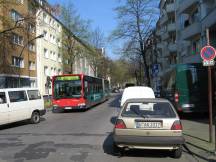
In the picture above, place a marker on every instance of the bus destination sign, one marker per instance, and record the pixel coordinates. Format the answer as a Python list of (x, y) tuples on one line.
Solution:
[(65, 78)]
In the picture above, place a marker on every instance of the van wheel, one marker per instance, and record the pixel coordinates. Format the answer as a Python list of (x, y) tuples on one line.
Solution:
[(177, 153), (35, 118)]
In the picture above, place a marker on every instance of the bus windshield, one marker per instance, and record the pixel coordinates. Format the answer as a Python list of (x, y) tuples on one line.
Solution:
[(67, 89)]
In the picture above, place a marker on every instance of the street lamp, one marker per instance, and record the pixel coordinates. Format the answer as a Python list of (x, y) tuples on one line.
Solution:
[(39, 36)]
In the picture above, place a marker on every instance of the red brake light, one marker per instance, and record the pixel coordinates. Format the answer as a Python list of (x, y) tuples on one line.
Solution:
[(120, 124), (176, 97), (176, 125)]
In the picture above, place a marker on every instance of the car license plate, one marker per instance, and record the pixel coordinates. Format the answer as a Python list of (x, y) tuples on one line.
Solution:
[(148, 124), (68, 108)]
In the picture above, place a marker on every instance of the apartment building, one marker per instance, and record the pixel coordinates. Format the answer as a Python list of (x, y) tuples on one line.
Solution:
[(49, 56), (59, 52), (181, 30), (17, 44), (194, 17), (166, 34)]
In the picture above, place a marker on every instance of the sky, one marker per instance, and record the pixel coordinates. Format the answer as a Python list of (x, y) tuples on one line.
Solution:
[(101, 14)]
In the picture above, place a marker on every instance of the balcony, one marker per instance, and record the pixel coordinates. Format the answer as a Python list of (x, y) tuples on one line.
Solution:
[(187, 5), (160, 45), (192, 30), (172, 47), (163, 19), (158, 32), (209, 20), (162, 3), (170, 7), (165, 36), (171, 27)]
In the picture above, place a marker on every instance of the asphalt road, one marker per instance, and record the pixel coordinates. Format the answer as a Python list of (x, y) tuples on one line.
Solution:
[(72, 136)]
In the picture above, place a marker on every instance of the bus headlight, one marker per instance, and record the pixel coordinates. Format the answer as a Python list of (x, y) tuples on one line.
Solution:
[(55, 106)]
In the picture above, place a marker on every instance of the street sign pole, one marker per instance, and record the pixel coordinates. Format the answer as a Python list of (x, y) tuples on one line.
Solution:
[(209, 93)]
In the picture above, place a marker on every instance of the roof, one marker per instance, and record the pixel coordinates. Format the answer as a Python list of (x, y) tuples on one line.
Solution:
[(18, 89), (147, 100), (137, 92)]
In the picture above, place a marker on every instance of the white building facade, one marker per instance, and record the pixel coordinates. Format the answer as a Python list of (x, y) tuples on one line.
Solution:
[(49, 58)]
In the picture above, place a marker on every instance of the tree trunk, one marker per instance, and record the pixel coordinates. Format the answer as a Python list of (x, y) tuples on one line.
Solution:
[(146, 68)]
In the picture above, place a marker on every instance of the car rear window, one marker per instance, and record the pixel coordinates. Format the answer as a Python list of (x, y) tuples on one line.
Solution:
[(149, 110), (34, 94)]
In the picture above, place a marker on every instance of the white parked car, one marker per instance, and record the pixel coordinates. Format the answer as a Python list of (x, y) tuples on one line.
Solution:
[(19, 104), (136, 92)]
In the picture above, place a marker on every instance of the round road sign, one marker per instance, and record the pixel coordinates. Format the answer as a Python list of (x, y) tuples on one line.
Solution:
[(208, 53)]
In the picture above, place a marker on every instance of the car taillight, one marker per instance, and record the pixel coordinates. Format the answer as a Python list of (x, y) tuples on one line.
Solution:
[(176, 97), (120, 124), (176, 125)]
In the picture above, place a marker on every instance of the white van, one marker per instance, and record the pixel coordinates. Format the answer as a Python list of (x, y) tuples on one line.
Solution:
[(19, 104), (136, 92)]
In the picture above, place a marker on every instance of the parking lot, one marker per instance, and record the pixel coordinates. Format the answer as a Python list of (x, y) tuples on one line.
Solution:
[(87, 136)]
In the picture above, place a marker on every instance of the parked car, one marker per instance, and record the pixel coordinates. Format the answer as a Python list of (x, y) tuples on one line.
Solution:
[(148, 124), (137, 92), (19, 104)]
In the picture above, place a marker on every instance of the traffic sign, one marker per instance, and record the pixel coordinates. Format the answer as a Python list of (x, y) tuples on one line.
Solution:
[(208, 54), (155, 70)]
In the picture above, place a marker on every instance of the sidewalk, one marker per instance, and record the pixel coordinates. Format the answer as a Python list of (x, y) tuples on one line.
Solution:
[(196, 133)]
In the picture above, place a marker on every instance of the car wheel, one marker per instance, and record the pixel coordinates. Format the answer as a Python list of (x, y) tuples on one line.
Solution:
[(35, 118), (177, 153), (117, 150)]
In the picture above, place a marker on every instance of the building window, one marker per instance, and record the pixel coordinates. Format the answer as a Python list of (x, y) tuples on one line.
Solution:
[(18, 39), (196, 47), (31, 65), (45, 17), (15, 15), (32, 47), (20, 1), (52, 72), (46, 71), (31, 28), (66, 61), (55, 72), (17, 62), (59, 58), (59, 72), (45, 34), (46, 54)]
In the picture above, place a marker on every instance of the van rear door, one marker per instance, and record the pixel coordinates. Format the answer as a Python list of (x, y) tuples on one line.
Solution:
[(4, 110)]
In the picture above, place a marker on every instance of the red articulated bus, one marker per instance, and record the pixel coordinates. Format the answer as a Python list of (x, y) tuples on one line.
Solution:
[(78, 91)]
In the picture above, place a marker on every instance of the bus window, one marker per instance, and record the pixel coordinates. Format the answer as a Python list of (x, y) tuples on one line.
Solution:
[(86, 87), (67, 89)]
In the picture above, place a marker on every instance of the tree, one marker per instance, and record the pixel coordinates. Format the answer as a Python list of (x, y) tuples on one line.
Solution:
[(97, 38), (120, 72), (136, 18), (76, 30)]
